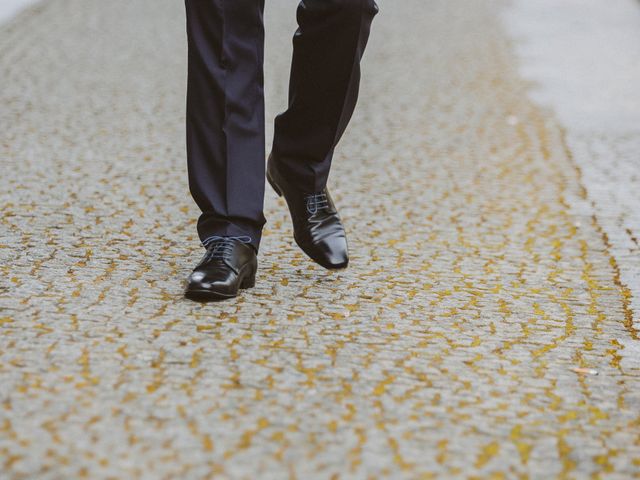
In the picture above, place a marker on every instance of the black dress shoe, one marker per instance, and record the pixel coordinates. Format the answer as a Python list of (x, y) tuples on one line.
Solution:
[(317, 228), (229, 265)]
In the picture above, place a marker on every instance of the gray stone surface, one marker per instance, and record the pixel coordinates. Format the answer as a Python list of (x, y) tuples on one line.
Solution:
[(583, 59), (462, 342)]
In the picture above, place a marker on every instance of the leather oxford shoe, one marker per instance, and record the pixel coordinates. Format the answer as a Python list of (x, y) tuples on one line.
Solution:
[(317, 228), (229, 264)]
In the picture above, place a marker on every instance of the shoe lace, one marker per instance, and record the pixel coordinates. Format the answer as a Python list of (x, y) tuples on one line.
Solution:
[(316, 201), (220, 247)]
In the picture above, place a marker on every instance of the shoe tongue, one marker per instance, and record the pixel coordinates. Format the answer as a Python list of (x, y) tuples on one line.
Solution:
[(215, 239), (316, 201)]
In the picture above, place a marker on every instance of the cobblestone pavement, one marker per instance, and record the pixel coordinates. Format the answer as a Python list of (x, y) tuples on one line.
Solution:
[(583, 58), (462, 342)]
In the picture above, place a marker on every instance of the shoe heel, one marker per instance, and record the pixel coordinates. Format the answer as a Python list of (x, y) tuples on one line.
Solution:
[(273, 185), (249, 281)]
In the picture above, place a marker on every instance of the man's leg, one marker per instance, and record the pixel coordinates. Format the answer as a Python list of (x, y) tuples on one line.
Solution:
[(323, 90), (323, 87), (225, 116), (225, 141)]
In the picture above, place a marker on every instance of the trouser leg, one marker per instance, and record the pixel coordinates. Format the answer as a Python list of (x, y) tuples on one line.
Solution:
[(323, 86), (225, 115)]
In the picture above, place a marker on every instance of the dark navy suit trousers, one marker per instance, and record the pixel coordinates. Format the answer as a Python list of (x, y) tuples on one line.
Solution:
[(225, 104)]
